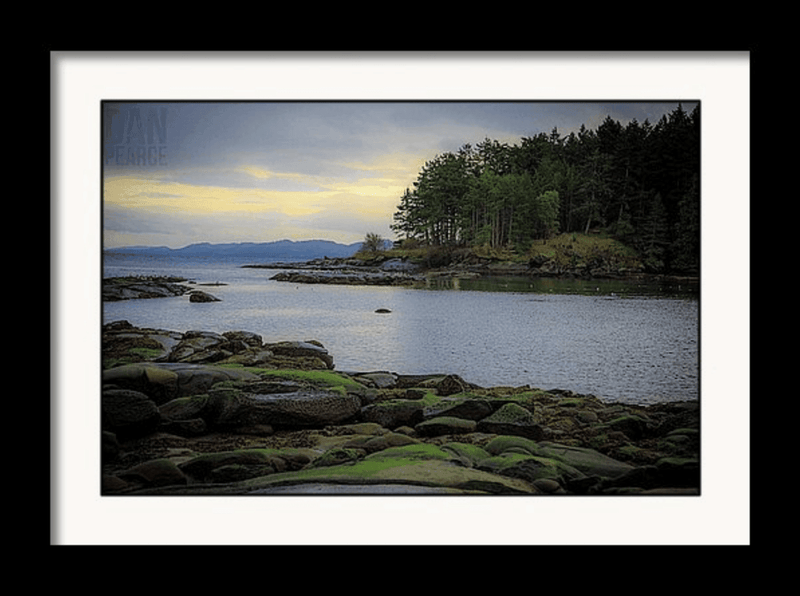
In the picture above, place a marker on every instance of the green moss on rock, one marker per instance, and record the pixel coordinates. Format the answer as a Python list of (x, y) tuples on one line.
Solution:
[(319, 378)]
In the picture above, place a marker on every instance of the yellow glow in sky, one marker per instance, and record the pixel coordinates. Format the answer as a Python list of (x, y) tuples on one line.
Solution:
[(369, 201), (149, 195)]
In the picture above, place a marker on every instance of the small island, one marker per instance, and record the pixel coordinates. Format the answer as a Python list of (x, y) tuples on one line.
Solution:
[(409, 263)]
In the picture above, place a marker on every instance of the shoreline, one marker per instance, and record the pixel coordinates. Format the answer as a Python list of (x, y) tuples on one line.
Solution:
[(204, 413), (400, 271)]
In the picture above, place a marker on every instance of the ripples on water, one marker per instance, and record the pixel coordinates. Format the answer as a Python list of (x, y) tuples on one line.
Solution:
[(631, 345)]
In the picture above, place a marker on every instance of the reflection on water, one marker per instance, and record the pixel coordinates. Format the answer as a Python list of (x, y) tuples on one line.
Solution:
[(626, 342), (667, 287)]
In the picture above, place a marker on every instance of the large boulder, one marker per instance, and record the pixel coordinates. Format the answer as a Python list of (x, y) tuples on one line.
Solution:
[(200, 296), (394, 413), (219, 409), (163, 381), (200, 346), (512, 419), (128, 414), (445, 425), (590, 462), (301, 349), (306, 408), (123, 343), (467, 408), (408, 469), (155, 473), (229, 466), (254, 340), (452, 384)]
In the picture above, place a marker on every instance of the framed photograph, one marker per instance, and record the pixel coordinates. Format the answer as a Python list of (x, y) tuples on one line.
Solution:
[(328, 291)]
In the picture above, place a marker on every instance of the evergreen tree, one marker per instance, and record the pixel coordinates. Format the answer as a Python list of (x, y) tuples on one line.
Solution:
[(638, 182)]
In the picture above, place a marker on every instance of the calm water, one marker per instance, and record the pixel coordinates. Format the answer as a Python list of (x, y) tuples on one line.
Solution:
[(617, 341)]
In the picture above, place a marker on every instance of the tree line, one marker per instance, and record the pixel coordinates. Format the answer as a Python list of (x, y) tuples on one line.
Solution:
[(639, 183)]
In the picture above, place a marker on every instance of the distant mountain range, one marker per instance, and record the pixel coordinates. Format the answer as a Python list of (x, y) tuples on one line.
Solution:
[(270, 251)]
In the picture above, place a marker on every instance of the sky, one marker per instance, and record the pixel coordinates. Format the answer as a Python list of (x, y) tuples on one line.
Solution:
[(179, 173)]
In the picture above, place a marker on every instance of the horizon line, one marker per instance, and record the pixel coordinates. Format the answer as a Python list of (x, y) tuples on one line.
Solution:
[(232, 243)]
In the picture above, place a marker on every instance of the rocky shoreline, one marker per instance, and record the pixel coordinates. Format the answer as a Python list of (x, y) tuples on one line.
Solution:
[(392, 271), (201, 413), (146, 287)]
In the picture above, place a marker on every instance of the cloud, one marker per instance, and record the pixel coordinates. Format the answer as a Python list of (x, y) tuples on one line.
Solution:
[(192, 199), (361, 198), (252, 171)]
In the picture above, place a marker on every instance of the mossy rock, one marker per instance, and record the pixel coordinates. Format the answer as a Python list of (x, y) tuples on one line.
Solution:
[(464, 406), (634, 427), (336, 457), (512, 419), (419, 465), (530, 467), (467, 454), (507, 442), (445, 425), (157, 472), (588, 461), (323, 379), (395, 413), (381, 442), (202, 466)]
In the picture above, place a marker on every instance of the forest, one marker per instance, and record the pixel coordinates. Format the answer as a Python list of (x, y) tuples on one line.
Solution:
[(638, 183)]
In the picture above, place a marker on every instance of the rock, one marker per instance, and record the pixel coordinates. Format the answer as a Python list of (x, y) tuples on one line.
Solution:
[(445, 425), (469, 409), (302, 349), (123, 343), (308, 408), (336, 457), (452, 384), (157, 472), (415, 393), (204, 429), (200, 296), (164, 381), (549, 486), (232, 466), (387, 440), (381, 380), (529, 468), (110, 446), (410, 469), (505, 443), (537, 261), (128, 413), (586, 417), (394, 413), (131, 288), (634, 427), (192, 427), (360, 277), (512, 419), (399, 265), (588, 461), (253, 340)]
